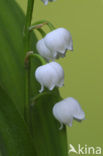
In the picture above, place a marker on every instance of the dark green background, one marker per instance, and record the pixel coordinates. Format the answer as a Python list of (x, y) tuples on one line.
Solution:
[(84, 67)]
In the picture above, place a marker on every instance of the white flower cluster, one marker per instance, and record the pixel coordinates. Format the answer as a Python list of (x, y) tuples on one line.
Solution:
[(52, 46)]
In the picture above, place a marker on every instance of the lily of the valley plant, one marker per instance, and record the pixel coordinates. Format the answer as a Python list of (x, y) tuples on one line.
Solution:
[(33, 115), (52, 46), (50, 75)]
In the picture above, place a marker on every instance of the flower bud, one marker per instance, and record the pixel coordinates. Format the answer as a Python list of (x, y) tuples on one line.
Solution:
[(50, 75), (67, 110), (46, 1), (55, 44)]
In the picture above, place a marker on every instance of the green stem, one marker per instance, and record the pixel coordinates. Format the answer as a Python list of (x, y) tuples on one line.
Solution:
[(39, 58), (42, 32), (28, 24), (26, 49), (37, 26), (38, 96), (50, 25), (29, 55)]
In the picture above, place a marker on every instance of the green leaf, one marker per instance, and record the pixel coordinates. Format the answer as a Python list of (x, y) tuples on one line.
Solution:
[(12, 73), (14, 134)]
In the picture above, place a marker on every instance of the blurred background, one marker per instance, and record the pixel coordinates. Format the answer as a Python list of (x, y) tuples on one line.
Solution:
[(84, 66)]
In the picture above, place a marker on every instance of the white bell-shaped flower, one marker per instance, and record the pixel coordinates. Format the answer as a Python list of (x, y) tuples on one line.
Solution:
[(55, 44), (67, 110), (46, 1), (43, 50), (50, 75)]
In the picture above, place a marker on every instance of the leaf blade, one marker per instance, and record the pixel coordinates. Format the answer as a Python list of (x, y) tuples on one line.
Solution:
[(12, 72), (13, 129)]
